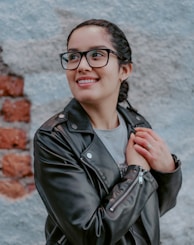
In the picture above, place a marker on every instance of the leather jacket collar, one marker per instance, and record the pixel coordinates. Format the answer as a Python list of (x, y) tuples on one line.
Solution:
[(78, 120)]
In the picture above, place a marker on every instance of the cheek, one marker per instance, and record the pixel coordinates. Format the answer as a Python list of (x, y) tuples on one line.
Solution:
[(68, 75), (114, 74), (114, 67)]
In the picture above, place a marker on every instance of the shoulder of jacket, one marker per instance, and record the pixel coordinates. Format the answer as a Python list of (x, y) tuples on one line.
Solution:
[(55, 120), (134, 118), (59, 118), (138, 119)]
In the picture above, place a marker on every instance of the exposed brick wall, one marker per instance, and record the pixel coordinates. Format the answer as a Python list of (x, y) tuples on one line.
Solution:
[(16, 176)]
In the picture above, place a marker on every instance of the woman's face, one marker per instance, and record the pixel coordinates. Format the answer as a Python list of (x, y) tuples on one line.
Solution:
[(95, 85)]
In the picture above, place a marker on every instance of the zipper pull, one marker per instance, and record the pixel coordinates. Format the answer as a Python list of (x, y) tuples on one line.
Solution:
[(141, 172)]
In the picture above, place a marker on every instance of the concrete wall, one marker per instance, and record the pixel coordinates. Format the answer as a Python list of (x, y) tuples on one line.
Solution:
[(161, 33)]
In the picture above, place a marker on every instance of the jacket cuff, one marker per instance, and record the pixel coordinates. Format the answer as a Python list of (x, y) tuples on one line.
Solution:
[(177, 163), (132, 172)]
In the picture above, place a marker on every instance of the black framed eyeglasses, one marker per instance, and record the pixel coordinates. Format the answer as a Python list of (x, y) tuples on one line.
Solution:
[(96, 58)]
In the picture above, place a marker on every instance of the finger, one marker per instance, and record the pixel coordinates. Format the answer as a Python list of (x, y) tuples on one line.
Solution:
[(145, 140), (144, 143), (148, 131), (143, 152), (131, 139), (145, 136)]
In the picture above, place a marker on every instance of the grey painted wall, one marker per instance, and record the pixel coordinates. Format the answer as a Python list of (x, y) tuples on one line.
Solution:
[(161, 33)]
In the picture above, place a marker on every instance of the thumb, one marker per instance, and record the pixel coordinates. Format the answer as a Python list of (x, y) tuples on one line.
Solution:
[(131, 140)]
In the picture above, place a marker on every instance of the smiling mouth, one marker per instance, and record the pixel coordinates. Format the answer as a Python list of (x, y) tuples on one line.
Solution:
[(86, 81)]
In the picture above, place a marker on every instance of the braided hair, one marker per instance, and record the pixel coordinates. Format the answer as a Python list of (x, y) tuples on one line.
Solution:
[(119, 42)]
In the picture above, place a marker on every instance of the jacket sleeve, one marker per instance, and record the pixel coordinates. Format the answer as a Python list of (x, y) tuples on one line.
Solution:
[(169, 186), (73, 202)]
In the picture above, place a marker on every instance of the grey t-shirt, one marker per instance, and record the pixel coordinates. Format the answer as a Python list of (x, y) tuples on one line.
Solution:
[(115, 140)]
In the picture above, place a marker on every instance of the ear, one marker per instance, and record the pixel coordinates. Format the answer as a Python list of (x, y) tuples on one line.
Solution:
[(125, 71)]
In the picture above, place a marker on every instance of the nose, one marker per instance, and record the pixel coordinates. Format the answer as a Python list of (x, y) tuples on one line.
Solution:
[(83, 65)]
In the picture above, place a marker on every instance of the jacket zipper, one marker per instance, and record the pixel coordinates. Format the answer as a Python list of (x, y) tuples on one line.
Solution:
[(139, 179)]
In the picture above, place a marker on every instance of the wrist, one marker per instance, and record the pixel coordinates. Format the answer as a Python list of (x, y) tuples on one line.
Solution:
[(142, 165)]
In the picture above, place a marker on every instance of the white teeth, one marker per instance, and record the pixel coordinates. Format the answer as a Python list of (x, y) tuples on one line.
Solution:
[(86, 81)]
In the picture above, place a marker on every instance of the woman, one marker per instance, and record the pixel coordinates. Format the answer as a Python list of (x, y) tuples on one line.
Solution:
[(103, 174)]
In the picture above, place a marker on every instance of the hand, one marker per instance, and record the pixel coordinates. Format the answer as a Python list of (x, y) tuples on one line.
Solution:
[(133, 157), (150, 146)]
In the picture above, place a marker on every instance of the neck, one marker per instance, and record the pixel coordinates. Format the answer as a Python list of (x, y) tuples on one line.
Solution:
[(102, 116)]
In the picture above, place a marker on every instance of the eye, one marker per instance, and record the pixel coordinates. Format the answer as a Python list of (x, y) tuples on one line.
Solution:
[(97, 54), (73, 57)]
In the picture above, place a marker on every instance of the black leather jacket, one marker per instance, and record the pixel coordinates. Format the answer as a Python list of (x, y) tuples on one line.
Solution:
[(88, 203)]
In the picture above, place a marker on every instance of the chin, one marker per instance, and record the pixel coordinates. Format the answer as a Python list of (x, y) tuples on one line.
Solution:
[(84, 95), (86, 99)]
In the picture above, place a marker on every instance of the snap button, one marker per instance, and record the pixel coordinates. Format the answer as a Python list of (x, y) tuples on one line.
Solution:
[(61, 116), (103, 177), (138, 118), (89, 155), (74, 126)]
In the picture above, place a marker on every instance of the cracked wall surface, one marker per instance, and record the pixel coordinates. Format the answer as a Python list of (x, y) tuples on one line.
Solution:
[(161, 34)]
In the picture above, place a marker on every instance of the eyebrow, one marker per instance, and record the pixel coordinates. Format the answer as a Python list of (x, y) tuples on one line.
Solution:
[(91, 48)]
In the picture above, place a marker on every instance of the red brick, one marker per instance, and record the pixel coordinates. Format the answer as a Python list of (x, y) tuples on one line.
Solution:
[(16, 165), (31, 187), (16, 111), (12, 138), (12, 189), (11, 86)]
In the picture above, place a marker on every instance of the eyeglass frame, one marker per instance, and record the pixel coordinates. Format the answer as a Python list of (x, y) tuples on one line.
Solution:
[(84, 53)]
